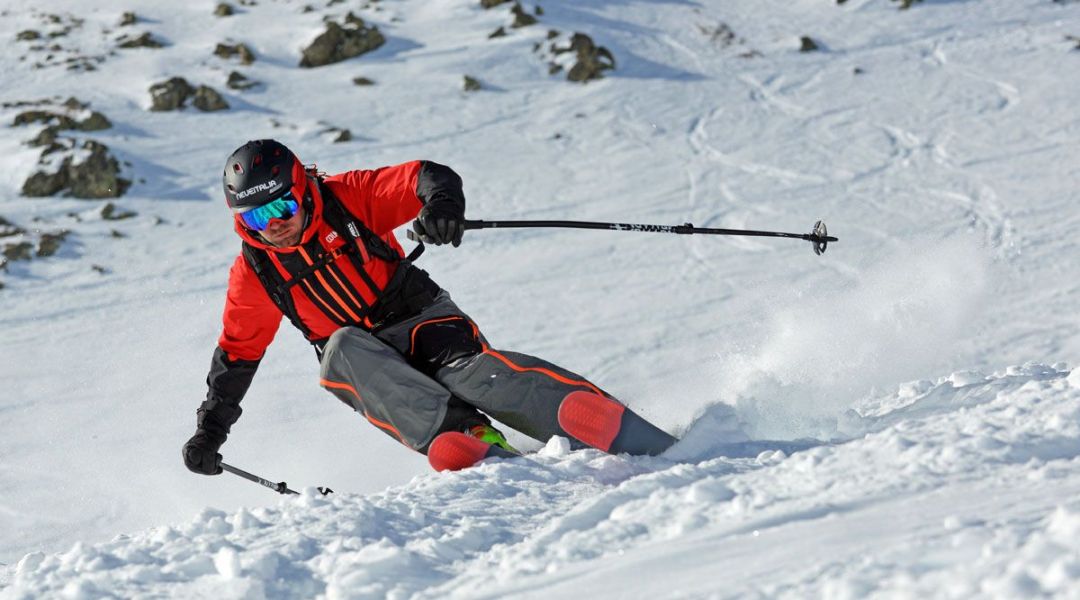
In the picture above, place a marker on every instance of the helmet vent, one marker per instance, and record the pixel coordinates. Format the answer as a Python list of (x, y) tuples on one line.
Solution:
[(237, 167), (257, 160)]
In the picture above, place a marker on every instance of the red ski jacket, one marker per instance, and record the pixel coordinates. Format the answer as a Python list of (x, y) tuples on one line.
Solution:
[(337, 294)]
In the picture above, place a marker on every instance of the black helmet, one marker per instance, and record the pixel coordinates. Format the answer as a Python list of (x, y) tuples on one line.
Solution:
[(260, 171)]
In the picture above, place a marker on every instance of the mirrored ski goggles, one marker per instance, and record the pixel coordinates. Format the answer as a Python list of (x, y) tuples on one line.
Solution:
[(259, 217)]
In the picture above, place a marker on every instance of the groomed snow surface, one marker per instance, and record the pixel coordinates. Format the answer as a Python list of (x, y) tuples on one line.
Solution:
[(823, 453)]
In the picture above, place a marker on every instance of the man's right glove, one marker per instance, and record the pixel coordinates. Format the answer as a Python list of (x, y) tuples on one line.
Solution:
[(201, 453)]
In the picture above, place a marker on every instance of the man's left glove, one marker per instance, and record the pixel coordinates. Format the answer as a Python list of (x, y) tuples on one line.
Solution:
[(440, 223), (201, 453)]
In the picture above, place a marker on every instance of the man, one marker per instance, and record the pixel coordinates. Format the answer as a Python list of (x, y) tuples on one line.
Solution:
[(392, 344)]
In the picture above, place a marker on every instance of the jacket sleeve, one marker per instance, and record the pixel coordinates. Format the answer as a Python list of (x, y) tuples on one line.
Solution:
[(389, 197), (250, 322), (251, 318)]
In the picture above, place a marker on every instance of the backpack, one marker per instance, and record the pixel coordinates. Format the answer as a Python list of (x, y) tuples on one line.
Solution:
[(345, 224)]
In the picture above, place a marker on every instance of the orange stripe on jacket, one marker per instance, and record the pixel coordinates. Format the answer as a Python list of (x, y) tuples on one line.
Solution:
[(344, 386), (356, 302), (321, 301), (355, 317)]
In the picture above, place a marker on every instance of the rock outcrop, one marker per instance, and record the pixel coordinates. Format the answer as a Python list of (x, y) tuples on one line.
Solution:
[(96, 175), (342, 42), (174, 94)]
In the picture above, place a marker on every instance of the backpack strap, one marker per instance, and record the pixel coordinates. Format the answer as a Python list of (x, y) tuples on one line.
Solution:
[(274, 284), (343, 221)]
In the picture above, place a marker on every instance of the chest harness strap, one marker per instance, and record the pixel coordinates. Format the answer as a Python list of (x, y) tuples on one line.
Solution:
[(364, 245)]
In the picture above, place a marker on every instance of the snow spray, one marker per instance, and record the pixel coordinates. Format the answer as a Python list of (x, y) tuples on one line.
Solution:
[(823, 349)]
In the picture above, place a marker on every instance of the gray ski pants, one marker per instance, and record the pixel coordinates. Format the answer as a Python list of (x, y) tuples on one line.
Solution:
[(435, 371)]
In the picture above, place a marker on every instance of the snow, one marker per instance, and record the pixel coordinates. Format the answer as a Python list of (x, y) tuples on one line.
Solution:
[(898, 417), (961, 490)]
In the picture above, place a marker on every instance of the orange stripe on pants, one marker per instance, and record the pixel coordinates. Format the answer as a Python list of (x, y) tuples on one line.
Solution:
[(337, 385), (542, 371)]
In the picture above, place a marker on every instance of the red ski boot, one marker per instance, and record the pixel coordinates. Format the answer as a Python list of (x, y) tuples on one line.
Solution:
[(607, 425), (454, 450)]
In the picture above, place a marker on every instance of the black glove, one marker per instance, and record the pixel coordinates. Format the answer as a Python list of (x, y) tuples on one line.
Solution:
[(440, 223), (201, 453)]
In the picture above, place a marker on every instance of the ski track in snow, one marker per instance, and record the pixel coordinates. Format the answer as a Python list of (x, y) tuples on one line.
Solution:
[(939, 143)]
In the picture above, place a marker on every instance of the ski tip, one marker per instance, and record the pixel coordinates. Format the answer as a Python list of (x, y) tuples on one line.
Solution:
[(591, 418), (453, 451)]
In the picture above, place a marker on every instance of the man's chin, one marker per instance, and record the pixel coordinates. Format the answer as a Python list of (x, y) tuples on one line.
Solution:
[(293, 240)]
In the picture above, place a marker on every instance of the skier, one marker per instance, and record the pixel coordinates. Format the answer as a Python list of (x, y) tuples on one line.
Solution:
[(320, 250)]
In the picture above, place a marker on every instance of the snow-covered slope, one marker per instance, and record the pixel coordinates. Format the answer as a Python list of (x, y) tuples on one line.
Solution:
[(963, 487), (939, 143)]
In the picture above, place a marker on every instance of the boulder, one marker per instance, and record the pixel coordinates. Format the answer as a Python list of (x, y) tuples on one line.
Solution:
[(223, 10), (49, 243), (592, 60), (521, 18), (362, 81), (42, 184), (44, 116), (98, 175), (238, 81), (19, 251), (486, 4), (806, 44), (340, 43), (171, 94), (241, 50), (207, 99), (128, 18), (146, 40), (95, 122), (472, 84), (27, 35), (109, 212), (46, 139)]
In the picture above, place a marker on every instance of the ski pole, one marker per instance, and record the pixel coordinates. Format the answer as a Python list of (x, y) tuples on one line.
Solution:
[(818, 236), (279, 487)]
